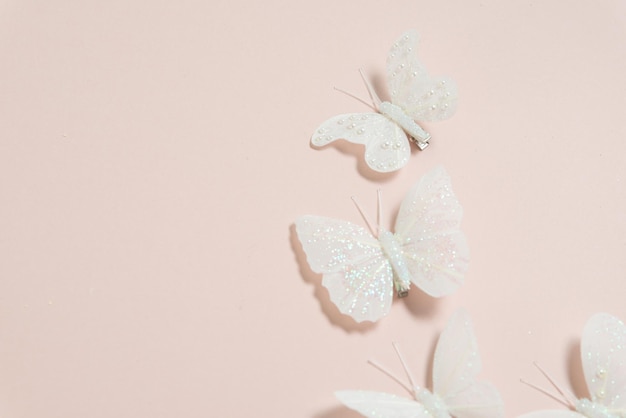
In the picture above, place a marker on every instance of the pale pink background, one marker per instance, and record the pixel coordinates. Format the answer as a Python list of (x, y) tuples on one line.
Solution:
[(153, 158)]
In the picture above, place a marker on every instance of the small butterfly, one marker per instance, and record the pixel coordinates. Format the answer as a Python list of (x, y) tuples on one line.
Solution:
[(456, 392), (414, 96), (361, 268), (603, 355)]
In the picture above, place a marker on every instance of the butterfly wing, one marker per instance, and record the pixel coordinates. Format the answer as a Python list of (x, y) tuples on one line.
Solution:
[(428, 229), (356, 272), (381, 405), (553, 414), (603, 351), (387, 147), (421, 97), (455, 366)]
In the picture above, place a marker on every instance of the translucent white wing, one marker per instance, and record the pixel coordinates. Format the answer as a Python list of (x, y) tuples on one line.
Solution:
[(480, 400), (428, 229), (387, 147), (457, 362), (357, 274), (603, 351), (422, 97), (553, 414), (455, 367), (381, 405)]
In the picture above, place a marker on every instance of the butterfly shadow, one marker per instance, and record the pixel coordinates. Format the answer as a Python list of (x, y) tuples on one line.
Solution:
[(379, 82), (420, 304), (576, 374), (428, 373), (327, 306), (338, 412)]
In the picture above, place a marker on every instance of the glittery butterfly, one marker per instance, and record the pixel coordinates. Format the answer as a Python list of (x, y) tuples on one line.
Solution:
[(456, 392), (361, 267), (415, 96), (603, 354)]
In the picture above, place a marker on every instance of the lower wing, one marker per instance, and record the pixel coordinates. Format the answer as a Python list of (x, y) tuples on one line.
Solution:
[(387, 147), (358, 276), (381, 405)]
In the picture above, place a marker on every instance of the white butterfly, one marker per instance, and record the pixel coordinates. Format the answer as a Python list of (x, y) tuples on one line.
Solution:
[(428, 249), (603, 354), (414, 96), (455, 389)]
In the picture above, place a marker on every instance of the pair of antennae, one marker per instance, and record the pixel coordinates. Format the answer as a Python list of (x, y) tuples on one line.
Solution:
[(374, 231), (370, 90), (413, 387), (566, 397)]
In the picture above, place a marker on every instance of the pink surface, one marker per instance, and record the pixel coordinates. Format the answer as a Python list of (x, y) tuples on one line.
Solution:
[(153, 159)]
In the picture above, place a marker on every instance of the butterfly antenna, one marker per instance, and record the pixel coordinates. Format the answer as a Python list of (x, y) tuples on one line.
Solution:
[(365, 218), (405, 367), (370, 90), (553, 383), (356, 98), (392, 376), (545, 392)]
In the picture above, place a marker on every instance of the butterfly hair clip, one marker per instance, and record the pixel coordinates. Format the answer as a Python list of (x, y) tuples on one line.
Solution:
[(456, 392), (603, 355), (362, 268), (415, 96)]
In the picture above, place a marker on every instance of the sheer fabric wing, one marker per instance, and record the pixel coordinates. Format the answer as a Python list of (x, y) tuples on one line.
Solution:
[(455, 366), (603, 351), (422, 97), (356, 273), (428, 228), (480, 400), (387, 147), (381, 405), (456, 362), (552, 414)]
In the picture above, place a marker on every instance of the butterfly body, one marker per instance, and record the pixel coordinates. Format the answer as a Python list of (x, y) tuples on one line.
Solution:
[(432, 403), (415, 96), (393, 250), (398, 116), (360, 270)]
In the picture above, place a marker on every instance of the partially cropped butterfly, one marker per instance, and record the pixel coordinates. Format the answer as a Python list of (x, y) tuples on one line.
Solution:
[(361, 268), (415, 96), (603, 355), (456, 392)]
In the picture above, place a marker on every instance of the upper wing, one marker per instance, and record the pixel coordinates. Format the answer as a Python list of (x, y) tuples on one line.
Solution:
[(357, 274), (422, 97), (456, 362), (603, 351), (381, 405), (428, 229), (455, 367), (387, 147)]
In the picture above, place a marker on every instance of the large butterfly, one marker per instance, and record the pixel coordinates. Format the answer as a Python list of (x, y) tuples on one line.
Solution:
[(603, 355), (361, 268), (415, 96), (456, 392)]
